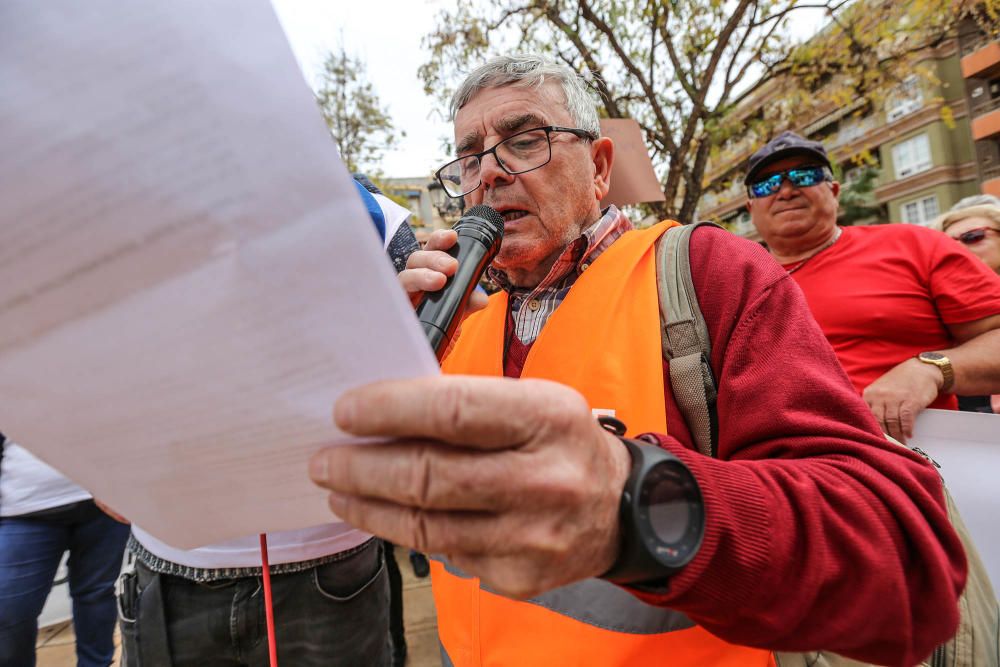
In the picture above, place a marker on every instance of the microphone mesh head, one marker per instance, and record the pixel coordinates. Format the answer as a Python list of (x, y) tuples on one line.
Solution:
[(493, 220)]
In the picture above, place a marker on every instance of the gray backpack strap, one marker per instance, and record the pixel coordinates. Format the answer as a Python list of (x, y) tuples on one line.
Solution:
[(684, 335)]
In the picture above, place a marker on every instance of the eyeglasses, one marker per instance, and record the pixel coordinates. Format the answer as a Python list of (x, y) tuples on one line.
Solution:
[(801, 177), (974, 236), (517, 154)]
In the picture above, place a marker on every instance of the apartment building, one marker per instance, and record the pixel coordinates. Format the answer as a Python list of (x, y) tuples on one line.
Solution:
[(981, 68), (919, 139)]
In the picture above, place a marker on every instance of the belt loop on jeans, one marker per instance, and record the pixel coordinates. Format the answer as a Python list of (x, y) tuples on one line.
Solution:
[(154, 647)]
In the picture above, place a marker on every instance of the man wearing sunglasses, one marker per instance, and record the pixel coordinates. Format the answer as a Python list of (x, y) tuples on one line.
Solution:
[(559, 543), (913, 317)]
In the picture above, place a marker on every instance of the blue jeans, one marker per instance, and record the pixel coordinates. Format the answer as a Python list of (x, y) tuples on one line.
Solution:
[(333, 614), (30, 550)]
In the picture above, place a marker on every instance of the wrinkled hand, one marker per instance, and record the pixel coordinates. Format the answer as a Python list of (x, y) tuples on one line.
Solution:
[(897, 397), (427, 270), (110, 512), (513, 480)]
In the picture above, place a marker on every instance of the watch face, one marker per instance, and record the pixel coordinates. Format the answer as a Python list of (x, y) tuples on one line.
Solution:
[(671, 504), (932, 356)]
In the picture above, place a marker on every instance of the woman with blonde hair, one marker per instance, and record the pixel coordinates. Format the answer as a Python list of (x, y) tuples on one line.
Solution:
[(978, 229)]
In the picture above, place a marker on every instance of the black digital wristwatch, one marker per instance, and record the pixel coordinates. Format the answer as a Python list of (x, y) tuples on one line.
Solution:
[(662, 515)]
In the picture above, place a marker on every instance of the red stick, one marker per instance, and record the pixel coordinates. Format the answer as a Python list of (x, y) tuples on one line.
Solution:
[(272, 645)]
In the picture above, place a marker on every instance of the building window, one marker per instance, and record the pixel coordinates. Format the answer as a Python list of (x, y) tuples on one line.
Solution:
[(852, 176), (920, 211), (851, 132), (912, 156), (906, 99)]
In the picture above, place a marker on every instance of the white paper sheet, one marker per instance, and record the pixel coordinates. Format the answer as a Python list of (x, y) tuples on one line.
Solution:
[(188, 279), (967, 447)]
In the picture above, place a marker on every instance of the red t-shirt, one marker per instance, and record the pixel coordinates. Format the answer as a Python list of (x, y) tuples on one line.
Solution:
[(885, 293)]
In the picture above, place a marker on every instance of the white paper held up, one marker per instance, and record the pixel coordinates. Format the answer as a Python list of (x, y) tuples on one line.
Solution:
[(188, 279)]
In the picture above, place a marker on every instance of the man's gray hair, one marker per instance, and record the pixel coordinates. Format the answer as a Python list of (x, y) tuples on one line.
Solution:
[(527, 70)]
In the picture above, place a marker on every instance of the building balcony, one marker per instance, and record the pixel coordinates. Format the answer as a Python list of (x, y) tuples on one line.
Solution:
[(986, 125), (714, 205), (992, 186), (983, 62), (852, 132), (983, 104), (971, 38), (938, 175)]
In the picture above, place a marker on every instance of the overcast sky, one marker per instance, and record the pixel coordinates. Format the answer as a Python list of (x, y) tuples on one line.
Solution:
[(386, 34)]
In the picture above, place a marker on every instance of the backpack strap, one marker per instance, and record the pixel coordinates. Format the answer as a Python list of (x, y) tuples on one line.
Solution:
[(684, 335)]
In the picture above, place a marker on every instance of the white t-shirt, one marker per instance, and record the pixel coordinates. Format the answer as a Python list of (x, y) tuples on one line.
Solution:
[(290, 546), (28, 484)]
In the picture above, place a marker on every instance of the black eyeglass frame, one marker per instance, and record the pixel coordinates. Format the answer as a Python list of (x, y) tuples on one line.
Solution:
[(548, 129)]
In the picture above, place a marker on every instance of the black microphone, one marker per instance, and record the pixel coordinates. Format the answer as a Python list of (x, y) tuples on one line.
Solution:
[(480, 231)]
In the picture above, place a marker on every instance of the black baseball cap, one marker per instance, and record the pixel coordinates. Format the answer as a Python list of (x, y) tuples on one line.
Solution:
[(785, 144)]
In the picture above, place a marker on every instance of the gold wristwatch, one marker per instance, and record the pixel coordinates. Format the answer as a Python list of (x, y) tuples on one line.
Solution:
[(942, 362)]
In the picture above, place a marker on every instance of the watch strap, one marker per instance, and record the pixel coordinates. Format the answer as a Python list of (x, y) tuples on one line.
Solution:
[(635, 563), (631, 566), (944, 364)]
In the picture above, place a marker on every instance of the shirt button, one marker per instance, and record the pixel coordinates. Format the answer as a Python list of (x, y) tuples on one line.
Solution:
[(534, 304), (584, 267)]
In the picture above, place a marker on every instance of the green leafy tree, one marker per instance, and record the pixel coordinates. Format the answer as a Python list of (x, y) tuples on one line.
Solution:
[(680, 67), (359, 124), (857, 199)]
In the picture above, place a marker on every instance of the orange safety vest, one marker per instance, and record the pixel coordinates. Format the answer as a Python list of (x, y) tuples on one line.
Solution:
[(604, 341)]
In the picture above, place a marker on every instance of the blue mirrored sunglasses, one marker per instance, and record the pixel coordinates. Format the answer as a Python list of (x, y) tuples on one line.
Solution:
[(801, 177)]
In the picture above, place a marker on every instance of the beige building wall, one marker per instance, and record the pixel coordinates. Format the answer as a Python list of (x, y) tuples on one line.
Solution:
[(418, 191)]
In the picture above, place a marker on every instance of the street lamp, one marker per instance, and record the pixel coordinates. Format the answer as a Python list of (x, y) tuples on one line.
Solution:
[(447, 207)]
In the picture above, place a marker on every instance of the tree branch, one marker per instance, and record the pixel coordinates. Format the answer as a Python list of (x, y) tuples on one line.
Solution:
[(552, 14), (794, 7), (679, 74), (654, 104), (729, 81)]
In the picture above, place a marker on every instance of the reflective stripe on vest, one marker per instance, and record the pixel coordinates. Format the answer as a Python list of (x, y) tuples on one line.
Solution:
[(601, 604), (604, 341)]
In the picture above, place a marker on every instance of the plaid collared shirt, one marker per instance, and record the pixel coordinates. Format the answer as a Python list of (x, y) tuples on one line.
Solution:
[(531, 308)]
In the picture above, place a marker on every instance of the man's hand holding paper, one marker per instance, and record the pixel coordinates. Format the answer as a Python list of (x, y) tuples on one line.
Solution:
[(517, 485)]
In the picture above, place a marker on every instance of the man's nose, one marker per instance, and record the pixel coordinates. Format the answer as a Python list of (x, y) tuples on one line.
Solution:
[(491, 173), (786, 189)]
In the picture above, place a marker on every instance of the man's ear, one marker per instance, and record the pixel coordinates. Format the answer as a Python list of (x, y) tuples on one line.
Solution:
[(603, 153), (835, 187)]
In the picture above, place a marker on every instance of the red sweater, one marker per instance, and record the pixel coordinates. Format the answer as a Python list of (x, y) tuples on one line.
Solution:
[(819, 533)]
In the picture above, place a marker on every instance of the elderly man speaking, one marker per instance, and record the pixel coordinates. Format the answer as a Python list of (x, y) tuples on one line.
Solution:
[(562, 544), (912, 315)]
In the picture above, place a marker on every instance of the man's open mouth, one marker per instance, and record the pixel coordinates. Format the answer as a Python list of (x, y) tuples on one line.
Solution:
[(513, 214)]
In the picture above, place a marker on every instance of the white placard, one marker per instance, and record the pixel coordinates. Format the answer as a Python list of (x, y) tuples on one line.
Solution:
[(967, 447)]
